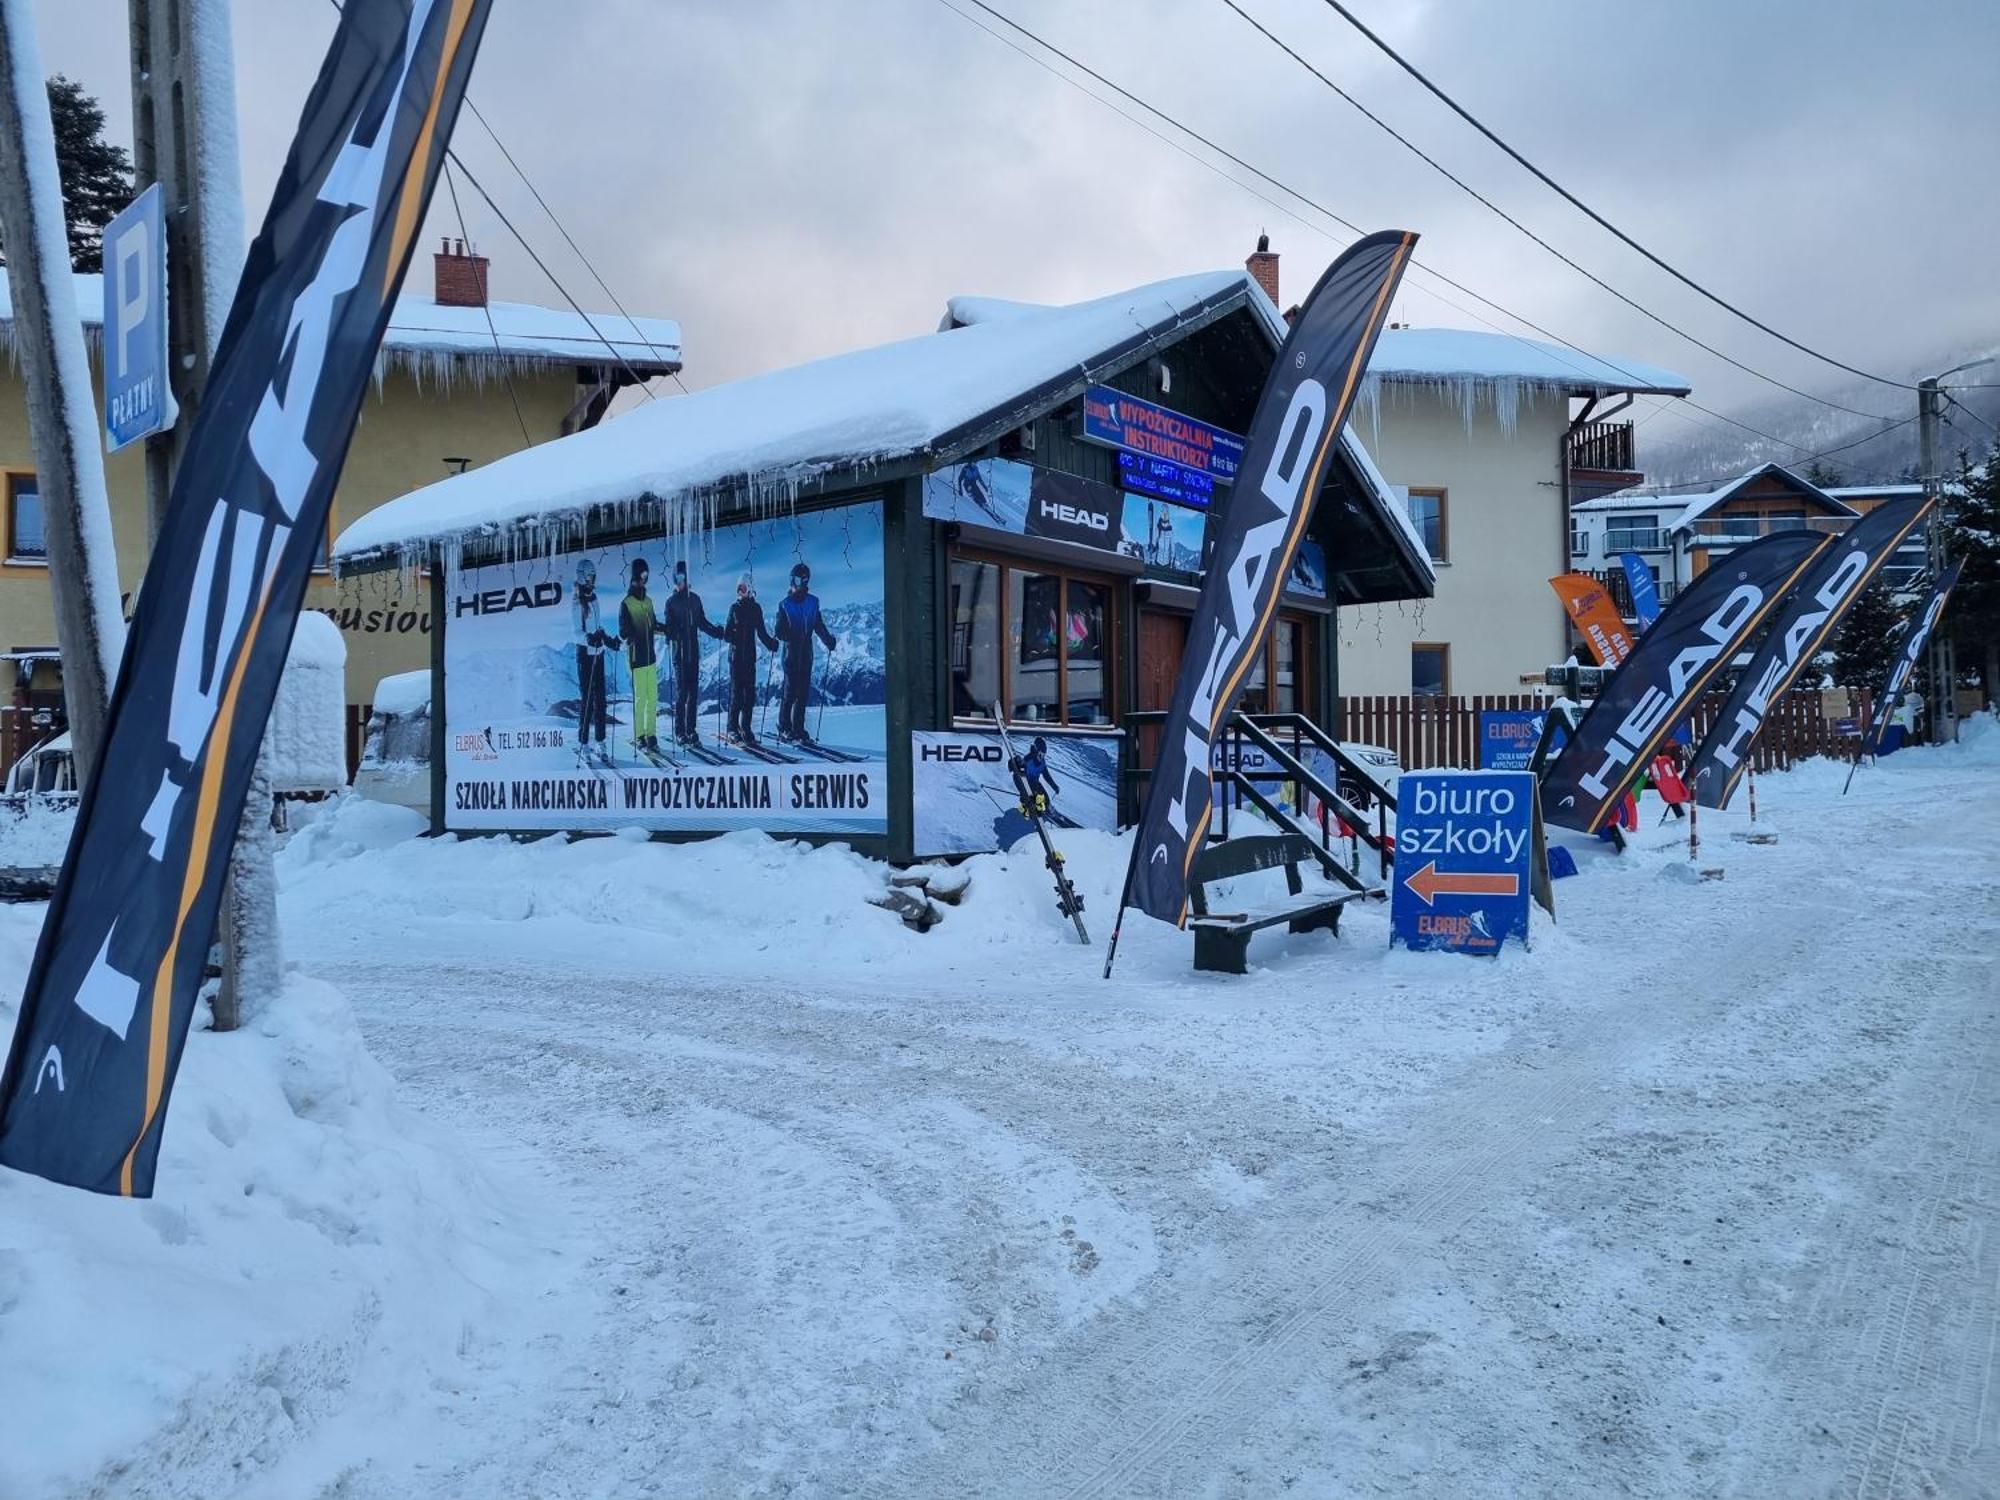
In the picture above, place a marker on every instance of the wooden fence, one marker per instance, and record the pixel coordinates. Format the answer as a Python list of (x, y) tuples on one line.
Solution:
[(1428, 732)]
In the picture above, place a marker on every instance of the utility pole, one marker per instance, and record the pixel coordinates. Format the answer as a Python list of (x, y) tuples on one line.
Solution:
[(1941, 657), (62, 414), (184, 138)]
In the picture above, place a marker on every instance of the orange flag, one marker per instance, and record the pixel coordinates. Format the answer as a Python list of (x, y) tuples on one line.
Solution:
[(1593, 613)]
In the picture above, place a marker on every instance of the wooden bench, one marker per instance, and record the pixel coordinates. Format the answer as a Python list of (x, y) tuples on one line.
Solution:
[(1222, 939)]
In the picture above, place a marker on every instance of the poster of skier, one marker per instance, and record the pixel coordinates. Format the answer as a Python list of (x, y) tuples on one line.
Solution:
[(731, 678)]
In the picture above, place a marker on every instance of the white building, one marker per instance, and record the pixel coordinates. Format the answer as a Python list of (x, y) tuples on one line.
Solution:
[(1488, 437)]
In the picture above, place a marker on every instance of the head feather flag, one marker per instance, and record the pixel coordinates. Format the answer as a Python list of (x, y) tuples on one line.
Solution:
[(1915, 636), (1799, 629), (125, 944), (1670, 666), (1299, 417)]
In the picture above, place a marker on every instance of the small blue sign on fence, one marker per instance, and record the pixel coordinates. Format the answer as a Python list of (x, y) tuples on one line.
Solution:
[(1466, 847), (1507, 738), (138, 398)]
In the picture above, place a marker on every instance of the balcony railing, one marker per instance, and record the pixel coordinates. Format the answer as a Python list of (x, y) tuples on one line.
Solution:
[(1731, 531), (1602, 445), (1633, 539), (1619, 587)]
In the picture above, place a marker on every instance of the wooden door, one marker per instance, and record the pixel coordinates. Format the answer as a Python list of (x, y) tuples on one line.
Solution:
[(1162, 643)]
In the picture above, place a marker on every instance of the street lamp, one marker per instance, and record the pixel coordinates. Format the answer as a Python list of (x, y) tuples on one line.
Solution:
[(1943, 660)]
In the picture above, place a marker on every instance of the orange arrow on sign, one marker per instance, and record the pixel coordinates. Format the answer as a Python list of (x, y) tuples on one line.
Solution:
[(1429, 884)]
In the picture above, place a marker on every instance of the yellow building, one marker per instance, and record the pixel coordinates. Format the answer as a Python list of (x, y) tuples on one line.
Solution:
[(459, 381)]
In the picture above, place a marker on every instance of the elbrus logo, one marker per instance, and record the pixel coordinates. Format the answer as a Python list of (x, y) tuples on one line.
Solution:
[(500, 601), (1075, 515)]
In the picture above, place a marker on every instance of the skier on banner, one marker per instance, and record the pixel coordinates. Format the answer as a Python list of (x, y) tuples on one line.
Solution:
[(636, 628), (799, 620), (1035, 774), (591, 639), (684, 625), (744, 630)]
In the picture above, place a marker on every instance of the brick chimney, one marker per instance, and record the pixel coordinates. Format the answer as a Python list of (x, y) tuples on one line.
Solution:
[(461, 276), (1263, 268)]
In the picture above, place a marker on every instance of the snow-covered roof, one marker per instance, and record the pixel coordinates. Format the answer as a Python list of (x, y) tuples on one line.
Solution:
[(924, 400), (427, 334), (1692, 507), (1443, 356)]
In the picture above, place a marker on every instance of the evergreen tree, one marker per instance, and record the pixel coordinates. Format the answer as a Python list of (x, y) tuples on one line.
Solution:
[(96, 176), (1972, 537), (1821, 473), (1864, 643)]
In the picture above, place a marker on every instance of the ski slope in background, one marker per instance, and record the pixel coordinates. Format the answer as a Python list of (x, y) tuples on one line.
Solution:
[(699, 1175)]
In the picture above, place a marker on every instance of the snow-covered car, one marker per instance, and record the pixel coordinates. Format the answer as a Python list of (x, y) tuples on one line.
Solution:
[(47, 771), (396, 754)]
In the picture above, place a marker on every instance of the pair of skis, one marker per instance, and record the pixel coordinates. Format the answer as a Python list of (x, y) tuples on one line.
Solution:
[(1035, 808)]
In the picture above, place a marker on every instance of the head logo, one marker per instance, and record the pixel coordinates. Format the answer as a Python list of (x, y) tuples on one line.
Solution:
[(51, 1068)]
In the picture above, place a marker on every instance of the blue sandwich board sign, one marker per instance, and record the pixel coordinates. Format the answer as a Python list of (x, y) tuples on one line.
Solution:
[(1467, 847), (1507, 738), (138, 398)]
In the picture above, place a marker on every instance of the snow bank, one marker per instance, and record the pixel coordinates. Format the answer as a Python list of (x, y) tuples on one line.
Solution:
[(307, 734), (302, 1218), (35, 836)]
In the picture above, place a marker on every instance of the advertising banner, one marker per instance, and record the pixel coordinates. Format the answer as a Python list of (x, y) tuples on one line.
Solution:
[(1644, 587), (1299, 417), (1673, 663), (1590, 609), (1145, 427), (1026, 501), (138, 397), (1800, 628), (125, 945), (730, 679), (1507, 738), (1911, 652), (1164, 536), (1465, 860), (965, 800)]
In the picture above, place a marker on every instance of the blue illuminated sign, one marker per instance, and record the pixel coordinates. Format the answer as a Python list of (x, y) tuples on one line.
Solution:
[(1145, 427), (1163, 479)]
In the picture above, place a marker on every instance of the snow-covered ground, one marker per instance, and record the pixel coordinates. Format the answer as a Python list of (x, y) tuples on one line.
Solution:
[(703, 1177)]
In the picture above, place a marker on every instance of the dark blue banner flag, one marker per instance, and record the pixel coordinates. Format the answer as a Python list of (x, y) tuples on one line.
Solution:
[(1909, 654), (1669, 668), (1299, 416), (125, 944), (1644, 588), (1800, 628)]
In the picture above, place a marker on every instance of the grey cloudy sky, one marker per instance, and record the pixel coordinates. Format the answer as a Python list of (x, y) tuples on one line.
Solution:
[(798, 177)]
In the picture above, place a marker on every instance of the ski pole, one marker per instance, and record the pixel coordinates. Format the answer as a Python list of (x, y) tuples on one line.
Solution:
[(819, 720)]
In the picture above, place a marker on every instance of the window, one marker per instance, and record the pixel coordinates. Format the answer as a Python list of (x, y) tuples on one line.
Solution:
[(1430, 671), (27, 534), (1631, 534), (1785, 520), (1427, 511), (1036, 639), (1280, 677), (1579, 538)]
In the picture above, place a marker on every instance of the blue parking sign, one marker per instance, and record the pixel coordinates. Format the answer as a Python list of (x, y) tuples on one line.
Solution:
[(1466, 846), (138, 398)]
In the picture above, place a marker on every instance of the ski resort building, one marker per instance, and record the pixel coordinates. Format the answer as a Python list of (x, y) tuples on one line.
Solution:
[(795, 602), (451, 389)]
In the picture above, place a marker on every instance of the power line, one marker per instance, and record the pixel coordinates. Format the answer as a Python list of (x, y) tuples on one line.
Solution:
[(1309, 201), (602, 285), (1470, 191), (1597, 218), (507, 374)]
